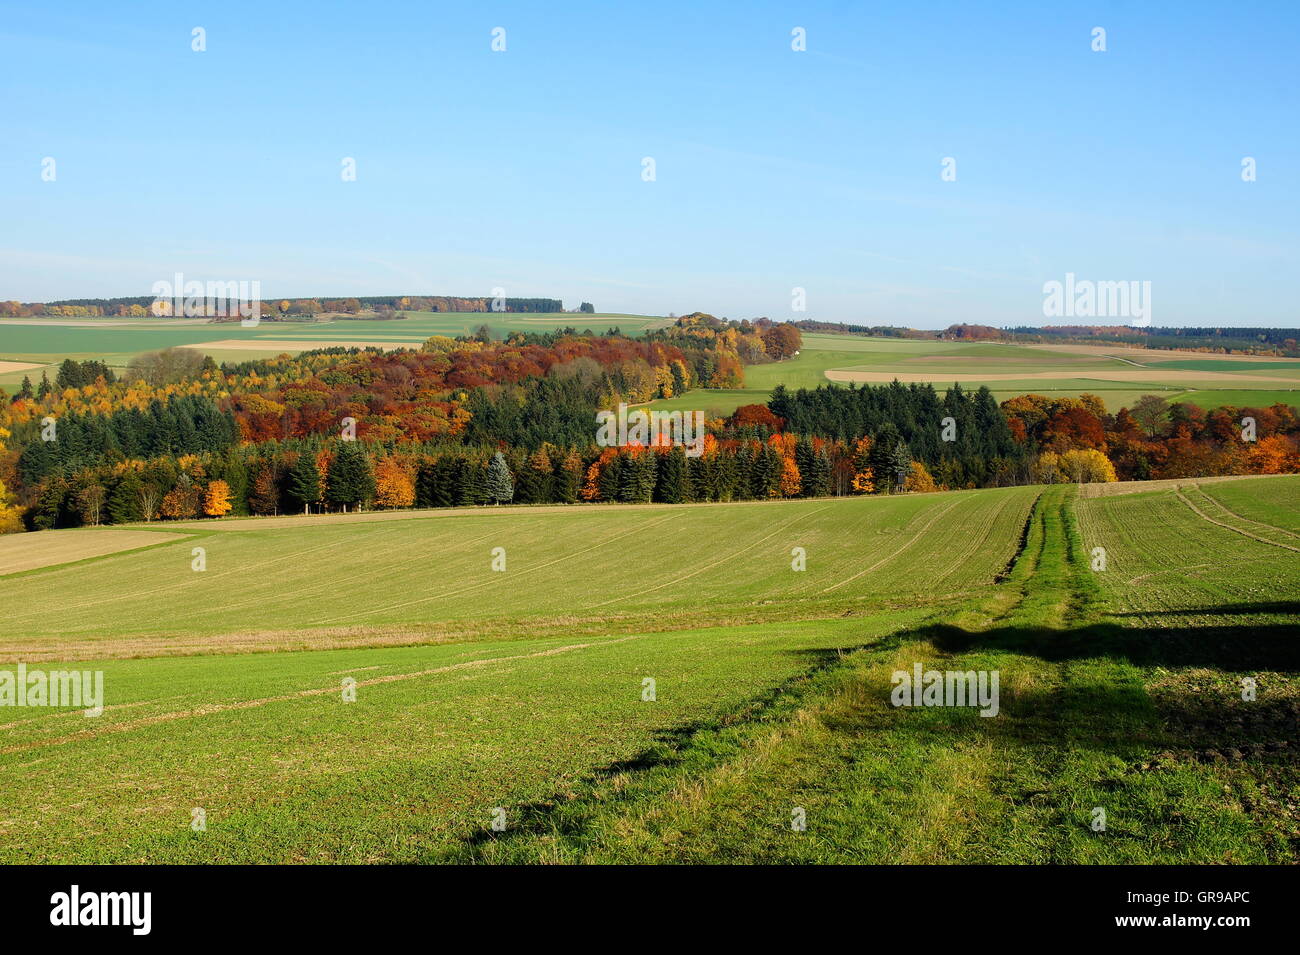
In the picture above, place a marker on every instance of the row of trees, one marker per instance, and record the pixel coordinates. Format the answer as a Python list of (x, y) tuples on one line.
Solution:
[(315, 476), (1158, 439), (963, 435)]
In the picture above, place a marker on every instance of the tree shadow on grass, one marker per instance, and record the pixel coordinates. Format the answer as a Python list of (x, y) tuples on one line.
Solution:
[(1188, 723), (1235, 649)]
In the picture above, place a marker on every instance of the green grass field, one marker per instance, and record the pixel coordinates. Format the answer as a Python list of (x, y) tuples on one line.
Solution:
[(1009, 370), (519, 693)]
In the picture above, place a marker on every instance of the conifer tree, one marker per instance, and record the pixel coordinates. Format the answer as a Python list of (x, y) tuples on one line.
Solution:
[(671, 486), (304, 481), (500, 487)]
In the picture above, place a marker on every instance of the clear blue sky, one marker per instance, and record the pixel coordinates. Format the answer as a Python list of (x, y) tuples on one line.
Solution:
[(775, 168)]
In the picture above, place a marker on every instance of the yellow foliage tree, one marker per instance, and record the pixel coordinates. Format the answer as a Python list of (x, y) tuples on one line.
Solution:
[(216, 501), (394, 486), (10, 519), (920, 480), (864, 481), (1087, 466), (790, 479)]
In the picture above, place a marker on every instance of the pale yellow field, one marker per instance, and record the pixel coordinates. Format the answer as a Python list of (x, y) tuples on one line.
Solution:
[(1189, 378), (285, 344), (20, 552), (1131, 353), (8, 366), (1138, 487)]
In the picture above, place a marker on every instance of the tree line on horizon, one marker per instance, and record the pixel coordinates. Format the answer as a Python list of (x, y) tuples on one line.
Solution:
[(461, 420)]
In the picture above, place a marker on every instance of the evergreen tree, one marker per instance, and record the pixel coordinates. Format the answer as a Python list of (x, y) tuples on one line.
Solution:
[(610, 480), (672, 486), (350, 480), (43, 391), (900, 463), (568, 477), (471, 483), (304, 481), (817, 481), (500, 487), (636, 476), (124, 499), (804, 456)]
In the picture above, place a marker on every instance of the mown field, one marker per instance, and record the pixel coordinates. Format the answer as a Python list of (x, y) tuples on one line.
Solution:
[(522, 690), (1118, 375)]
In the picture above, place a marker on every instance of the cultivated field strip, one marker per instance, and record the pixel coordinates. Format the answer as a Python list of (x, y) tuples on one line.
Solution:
[(23, 552), (591, 564), (1208, 509), (1276, 506), (1165, 560)]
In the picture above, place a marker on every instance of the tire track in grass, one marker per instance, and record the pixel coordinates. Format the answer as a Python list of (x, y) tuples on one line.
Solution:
[(214, 708), (887, 558), (242, 570), (975, 546), (1227, 510), (715, 563), (486, 583), (1236, 530), (331, 584)]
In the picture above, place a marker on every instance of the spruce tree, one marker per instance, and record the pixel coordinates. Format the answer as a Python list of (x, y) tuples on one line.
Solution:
[(671, 486), (471, 487), (500, 487), (350, 480), (304, 481), (124, 500), (568, 477)]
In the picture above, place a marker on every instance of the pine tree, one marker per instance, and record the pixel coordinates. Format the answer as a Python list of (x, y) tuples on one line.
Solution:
[(124, 500), (817, 482), (304, 481), (568, 478), (803, 458), (471, 486), (671, 486), (900, 463), (609, 482), (350, 480), (500, 487), (43, 391)]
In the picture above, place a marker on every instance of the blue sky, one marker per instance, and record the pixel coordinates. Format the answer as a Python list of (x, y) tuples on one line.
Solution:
[(774, 168)]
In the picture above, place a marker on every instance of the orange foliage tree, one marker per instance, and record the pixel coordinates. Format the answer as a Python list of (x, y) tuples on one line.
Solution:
[(216, 502), (394, 485)]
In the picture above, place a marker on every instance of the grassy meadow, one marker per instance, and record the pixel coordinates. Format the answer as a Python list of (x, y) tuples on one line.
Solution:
[(520, 694)]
